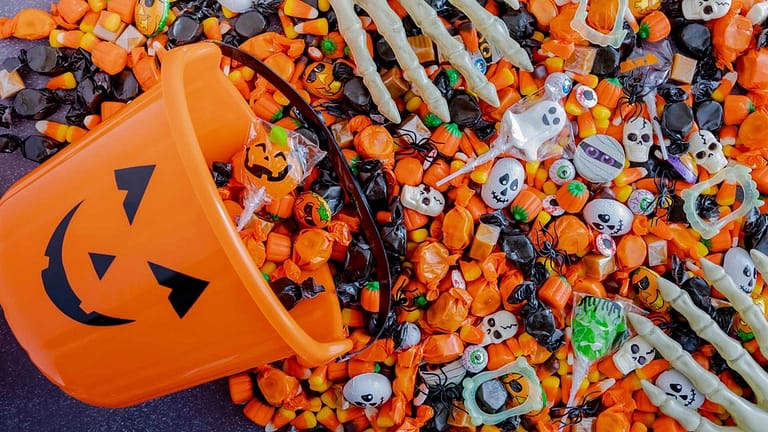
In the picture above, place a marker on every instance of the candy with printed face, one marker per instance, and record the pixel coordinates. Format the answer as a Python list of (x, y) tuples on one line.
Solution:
[(633, 354), (676, 385), (637, 139), (529, 130), (499, 327), (422, 199), (707, 151), (705, 9), (739, 266), (506, 179), (599, 158), (608, 216), (367, 390)]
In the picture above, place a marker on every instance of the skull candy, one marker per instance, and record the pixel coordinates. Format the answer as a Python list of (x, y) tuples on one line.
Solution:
[(707, 151), (705, 9), (505, 181), (638, 137), (608, 216), (679, 387), (422, 199), (739, 266), (634, 354), (499, 327)]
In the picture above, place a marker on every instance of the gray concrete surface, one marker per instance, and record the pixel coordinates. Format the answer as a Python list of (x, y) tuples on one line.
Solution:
[(29, 402)]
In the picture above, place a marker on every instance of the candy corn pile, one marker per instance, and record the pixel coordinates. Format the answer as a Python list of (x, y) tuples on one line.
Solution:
[(513, 279)]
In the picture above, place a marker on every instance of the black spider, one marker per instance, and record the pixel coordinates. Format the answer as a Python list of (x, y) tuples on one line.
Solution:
[(635, 88), (424, 146), (555, 258), (664, 199), (443, 395), (407, 299), (572, 415)]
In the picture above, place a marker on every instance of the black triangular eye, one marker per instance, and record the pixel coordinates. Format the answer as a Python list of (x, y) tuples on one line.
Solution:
[(185, 289), (134, 181), (677, 388), (503, 180), (514, 185), (643, 283)]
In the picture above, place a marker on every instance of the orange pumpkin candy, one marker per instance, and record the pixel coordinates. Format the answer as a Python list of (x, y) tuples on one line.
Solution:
[(268, 161)]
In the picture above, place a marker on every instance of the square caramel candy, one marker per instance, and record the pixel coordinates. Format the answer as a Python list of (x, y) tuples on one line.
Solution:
[(683, 68)]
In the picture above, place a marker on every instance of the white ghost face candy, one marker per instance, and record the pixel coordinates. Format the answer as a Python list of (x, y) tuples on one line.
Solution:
[(506, 179), (739, 266), (633, 354), (367, 390), (498, 327), (599, 158), (608, 216), (705, 9), (422, 199), (707, 151), (532, 128), (679, 387), (638, 137)]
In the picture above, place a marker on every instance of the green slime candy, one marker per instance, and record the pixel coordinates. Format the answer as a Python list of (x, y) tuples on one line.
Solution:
[(597, 324)]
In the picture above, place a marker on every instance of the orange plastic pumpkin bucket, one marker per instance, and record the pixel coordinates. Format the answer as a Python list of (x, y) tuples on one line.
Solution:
[(126, 280)]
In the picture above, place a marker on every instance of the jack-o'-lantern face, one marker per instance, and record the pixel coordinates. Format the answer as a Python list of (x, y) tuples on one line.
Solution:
[(518, 388), (269, 162), (311, 210), (320, 81), (644, 282)]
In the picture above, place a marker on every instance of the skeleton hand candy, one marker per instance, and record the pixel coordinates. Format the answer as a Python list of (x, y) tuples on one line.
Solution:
[(391, 27), (747, 416)]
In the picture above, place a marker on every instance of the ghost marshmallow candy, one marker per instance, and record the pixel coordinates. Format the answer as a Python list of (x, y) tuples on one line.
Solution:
[(676, 385), (633, 354), (532, 128), (739, 266), (599, 158), (498, 327), (367, 390), (638, 137), (707, 151), (505, 181), (422, 199), (608, 216), (705, 9)]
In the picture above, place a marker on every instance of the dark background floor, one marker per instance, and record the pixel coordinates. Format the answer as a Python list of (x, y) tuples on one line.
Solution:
[(29, 402)]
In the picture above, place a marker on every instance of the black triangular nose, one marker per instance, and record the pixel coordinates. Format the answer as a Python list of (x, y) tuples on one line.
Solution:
[(503, 192)]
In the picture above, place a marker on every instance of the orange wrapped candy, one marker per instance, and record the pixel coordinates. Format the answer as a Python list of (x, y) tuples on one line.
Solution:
[(264, 45), (431, 262), (442, 348), (312, 247), (30, 24), (450, 310), (731, 35), (276, 385), (458, 228)]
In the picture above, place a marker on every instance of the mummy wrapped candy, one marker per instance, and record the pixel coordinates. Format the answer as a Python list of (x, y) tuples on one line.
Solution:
[(633, 354), (449, 373), (529, 130), (422, 199), (638, 137), (367, 390), (676, 385), (707, 151), (506, 179), (608, 216), (739, 266), (499, 327), (599, 158), (705, 9)]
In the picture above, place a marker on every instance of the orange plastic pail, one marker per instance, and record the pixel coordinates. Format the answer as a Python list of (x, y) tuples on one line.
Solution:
[(121, 273)]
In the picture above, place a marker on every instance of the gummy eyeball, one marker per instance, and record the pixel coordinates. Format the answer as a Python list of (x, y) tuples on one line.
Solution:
[(367, 390)]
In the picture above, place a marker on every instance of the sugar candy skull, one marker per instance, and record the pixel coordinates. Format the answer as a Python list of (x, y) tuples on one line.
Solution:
[(506, 179), (705, 9), (326, 80), (498, 327), (269, 161), (739, 266), (633, 354), (707, 151), (676, 385), (530, 129), (422, 199), (608, 216), (638, 137), (643, 281)]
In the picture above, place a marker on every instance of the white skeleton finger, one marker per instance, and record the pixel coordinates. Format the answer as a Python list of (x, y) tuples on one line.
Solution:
[(747, 416), (687, 418), (514, 4), (352, 30), (737, 357), (391, 27), (426, 18), (747, 309), (497, 33)]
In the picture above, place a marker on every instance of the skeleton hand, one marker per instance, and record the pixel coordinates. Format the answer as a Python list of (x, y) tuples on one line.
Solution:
[(748, 416), (391, 28)]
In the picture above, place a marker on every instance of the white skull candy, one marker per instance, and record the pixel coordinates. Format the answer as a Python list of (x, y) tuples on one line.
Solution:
[(608, 216), (422, 199), (679, 387), (739, 266), (505, 181), (533, 127), (498, 327), (705, 9), (638, 137), (634, 354), (707, 151)]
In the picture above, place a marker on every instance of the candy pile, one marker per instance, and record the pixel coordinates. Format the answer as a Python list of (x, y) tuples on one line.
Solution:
[(526, 232)]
